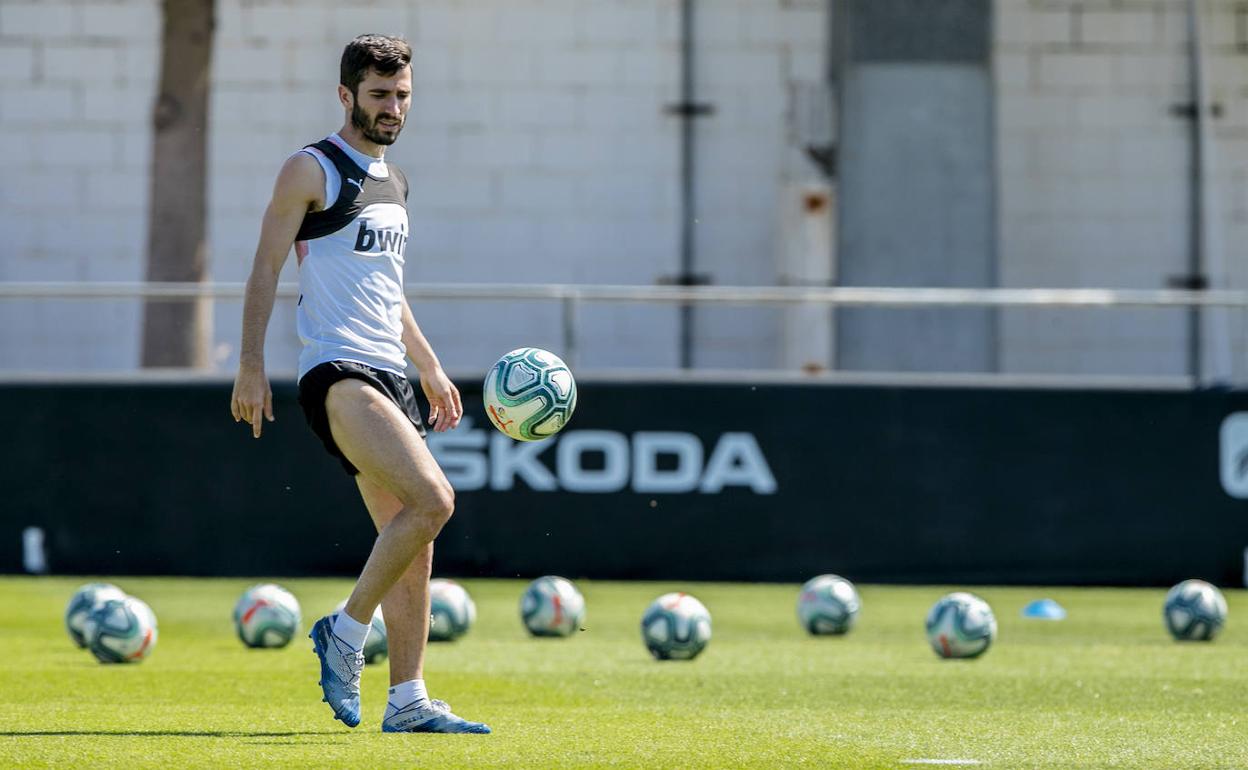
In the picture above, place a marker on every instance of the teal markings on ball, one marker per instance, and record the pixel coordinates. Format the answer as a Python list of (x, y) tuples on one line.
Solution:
[(85, 599), (267, 616), (529, 394), (451, 610), (121, 631), (828, 605), (676, 626), (552, 606), (1194, 611), (961, 625)]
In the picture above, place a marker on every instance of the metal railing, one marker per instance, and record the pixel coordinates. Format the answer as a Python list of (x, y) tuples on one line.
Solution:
[(840, 296), (572, 296)]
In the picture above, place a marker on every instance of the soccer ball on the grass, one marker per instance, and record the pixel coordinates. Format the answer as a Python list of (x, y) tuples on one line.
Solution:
[(961, 625), (676, 626), (1194, 611), (529, 394), (266, 615), (120, 631), (85, 599), (377, 645), (451, 610), (551, 606), (828, 604)]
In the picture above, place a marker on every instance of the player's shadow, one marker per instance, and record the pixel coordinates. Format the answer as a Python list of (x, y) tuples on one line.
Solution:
[(159, 733)]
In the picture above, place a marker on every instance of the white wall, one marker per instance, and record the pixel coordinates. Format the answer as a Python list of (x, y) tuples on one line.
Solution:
[(77, 81), (540, 151), (1094, 172), (749, 54), (538, 148)]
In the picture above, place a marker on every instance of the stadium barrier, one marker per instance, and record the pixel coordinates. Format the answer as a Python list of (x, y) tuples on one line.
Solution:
[(1213, 342), (660, 480)]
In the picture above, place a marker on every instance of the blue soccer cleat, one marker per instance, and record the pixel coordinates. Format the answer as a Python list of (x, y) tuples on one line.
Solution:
[(341, 667), (434, 718)]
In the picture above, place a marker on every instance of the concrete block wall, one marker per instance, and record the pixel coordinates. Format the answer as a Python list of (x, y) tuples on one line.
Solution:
[(749, 54), (1094, 173), (539, 150), (538, 147), (78, 81)]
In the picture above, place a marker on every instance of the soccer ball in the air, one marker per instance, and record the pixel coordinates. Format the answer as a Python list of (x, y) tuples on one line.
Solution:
[(961, 625), (451, 610), (828, 604), (551, 606), (266, 615), (1194, 611), (676, 626), (120, 631), (529, 394), (85, 599), (377, 645)]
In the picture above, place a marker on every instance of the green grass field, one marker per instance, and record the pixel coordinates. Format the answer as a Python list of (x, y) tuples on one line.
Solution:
[(1105, 688)]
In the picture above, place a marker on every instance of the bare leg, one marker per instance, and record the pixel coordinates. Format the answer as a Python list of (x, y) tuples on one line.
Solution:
[(400, 482), (406, 607), (379, 440)]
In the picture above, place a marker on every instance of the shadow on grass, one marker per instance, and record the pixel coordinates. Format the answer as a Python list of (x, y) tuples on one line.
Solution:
[(290, 742), (158, 733)]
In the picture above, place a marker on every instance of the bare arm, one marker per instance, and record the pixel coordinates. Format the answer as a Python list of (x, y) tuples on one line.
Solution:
[(445, 408), (299, 186)]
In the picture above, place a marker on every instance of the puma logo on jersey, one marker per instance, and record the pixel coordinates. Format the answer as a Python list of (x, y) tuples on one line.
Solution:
[(384, 240), (357, 183)]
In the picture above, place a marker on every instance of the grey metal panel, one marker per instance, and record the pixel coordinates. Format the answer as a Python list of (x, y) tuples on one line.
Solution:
[(918, 30), (916, 209)]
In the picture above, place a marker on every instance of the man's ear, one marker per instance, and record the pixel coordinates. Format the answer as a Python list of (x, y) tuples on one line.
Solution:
[(346, 97)]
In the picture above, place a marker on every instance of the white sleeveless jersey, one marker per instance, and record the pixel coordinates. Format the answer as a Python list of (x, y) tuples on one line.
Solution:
[(351, 264)]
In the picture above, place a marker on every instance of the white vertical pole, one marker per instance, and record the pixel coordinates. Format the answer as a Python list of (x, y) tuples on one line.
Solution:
[(1213, 326), (807, 238)]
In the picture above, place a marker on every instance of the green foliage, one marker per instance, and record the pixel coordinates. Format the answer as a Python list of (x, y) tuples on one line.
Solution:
[(1105, 688)]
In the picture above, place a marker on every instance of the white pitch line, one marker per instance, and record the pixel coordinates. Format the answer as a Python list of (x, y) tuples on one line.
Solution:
[(941, 762)]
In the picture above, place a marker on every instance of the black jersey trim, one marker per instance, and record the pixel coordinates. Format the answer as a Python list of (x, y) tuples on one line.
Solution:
[(358, 190)]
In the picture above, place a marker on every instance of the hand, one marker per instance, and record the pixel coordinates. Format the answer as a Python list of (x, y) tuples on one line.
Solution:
[(252, 400), (445, 408)]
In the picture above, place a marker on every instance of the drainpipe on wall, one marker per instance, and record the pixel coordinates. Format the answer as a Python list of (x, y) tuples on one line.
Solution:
[(1208, 358), (1214, 331), (688, 110)]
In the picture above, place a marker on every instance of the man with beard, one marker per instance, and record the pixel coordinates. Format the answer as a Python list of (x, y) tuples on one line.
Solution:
[(344, 210)]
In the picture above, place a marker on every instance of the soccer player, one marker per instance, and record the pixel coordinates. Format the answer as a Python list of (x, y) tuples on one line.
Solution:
[(344, 210)]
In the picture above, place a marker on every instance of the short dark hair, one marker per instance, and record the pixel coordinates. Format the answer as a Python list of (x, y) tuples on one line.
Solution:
[(387, 55)]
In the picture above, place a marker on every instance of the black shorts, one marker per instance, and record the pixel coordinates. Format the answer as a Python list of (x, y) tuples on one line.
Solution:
[(314, 385)]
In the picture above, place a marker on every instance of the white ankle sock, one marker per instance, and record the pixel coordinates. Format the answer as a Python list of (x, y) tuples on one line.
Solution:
[(350, 631), (404, 694)]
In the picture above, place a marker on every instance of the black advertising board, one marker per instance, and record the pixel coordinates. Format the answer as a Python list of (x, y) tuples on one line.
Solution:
[(660, 481)]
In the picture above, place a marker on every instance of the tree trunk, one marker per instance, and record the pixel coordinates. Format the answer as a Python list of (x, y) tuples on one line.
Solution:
[(176, 332)]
